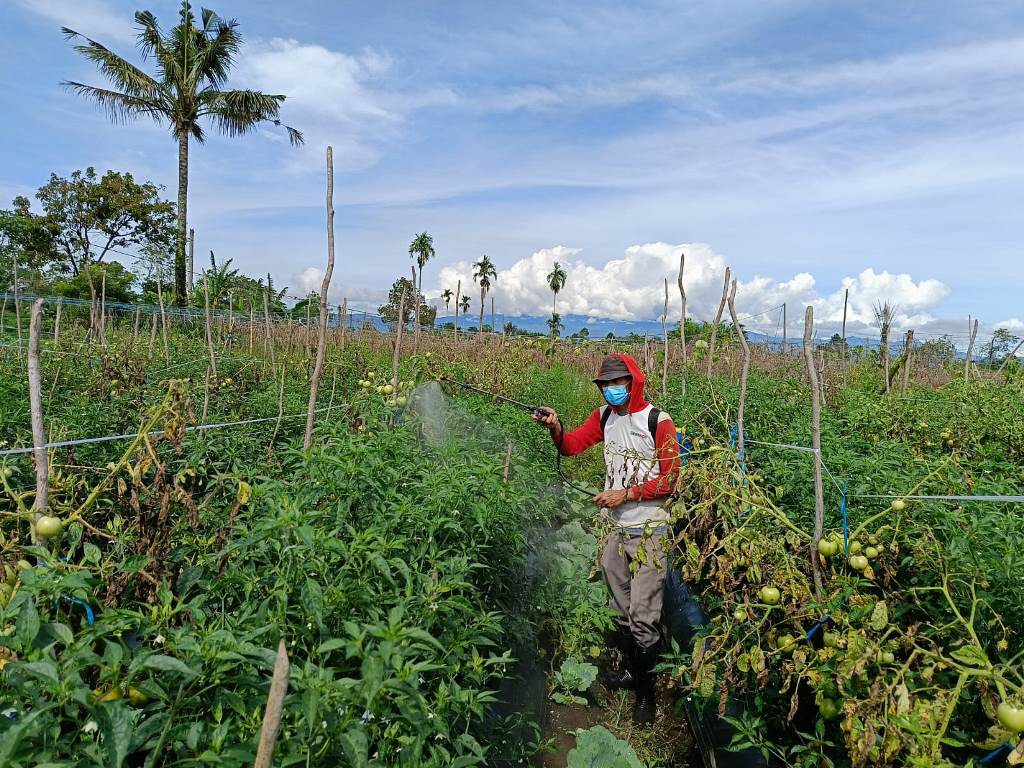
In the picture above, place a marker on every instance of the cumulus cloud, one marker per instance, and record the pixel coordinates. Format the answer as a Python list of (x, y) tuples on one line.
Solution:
[(93, 18), (359, 299), (631, 288)]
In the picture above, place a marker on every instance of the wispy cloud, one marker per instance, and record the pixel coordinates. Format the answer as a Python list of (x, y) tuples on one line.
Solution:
[(93, 18)]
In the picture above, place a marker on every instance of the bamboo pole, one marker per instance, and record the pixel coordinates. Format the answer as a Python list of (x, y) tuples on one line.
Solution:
[(1010, 356), (56, 323), (152, 335), (458, 296), (135, 327), (819, 491), (416, 292), (268, 339), (280, 402), (846, 299), (718, 319), (785, 343), (103, 309), (682, 323), (321, 347), (163, 317), (252, 323), (35, 396), (664, 337), (493, 329), (908, 354), (398, 342), (17, 303), (343, 320), (744, 371), (508, 464), (275, 707), (191, 262), (973, 330), (209, 330)]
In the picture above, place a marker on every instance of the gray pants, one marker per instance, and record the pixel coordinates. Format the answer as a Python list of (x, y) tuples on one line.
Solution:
[(636, 580)]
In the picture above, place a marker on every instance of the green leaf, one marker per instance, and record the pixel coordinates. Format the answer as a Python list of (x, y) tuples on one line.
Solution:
[(168, 664), (332, 645), (597, 748), (116, 726), (27, 627), (43, 669), (971, 655), (134, 563), (879, 616), (356, 748), (12, 737), (91, 553), (62, 632)]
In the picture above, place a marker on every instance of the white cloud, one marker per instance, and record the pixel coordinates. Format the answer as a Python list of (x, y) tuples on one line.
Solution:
[(631, 288), (93, 18)]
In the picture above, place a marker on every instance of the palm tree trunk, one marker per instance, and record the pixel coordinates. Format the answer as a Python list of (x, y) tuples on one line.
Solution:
[(179, 248), (554, 298), (482, 294)]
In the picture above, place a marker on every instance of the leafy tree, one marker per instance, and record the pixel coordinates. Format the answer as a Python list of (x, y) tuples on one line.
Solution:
[(447, 294), (999, 346), (582, 333), (25, 241), (389, 311), (192, 66), (555, 324), (312, 301), (89, 216), (219, 280), (119, 285), (556, 281), (483, 273)]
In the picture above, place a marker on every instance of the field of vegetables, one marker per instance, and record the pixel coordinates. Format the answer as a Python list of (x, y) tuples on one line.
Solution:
[(423, 554)]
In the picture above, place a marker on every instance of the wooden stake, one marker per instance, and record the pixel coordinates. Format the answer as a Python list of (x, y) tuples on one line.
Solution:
[(846, 299), (785, 344), (252, 323), (908, 354), (135, 328), (1010, 356), (103, 309), (398, 342), (275, 707), (493, 329), (163, 317), (209, 331), (508, 464), (682, 323), (321, 347), (206, 394), (819, 491), (56, 323), (269, 341), (35, 397), (718, 319), (280, 402), (416, 329), (17, 303), (664, 338), (458, 296), (152, 336), (970, 348), (744, 371)]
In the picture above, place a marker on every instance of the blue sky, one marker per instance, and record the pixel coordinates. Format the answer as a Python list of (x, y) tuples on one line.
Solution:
[(810, 146)]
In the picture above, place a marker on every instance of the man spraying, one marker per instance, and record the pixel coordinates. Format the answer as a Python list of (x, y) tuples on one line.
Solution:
[(641, 454)]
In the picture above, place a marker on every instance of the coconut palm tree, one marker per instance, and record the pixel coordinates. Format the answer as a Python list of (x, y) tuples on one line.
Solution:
[(464, 303), (483, 273), (555, 325), (556, 282), (447, 294), (192, 65)]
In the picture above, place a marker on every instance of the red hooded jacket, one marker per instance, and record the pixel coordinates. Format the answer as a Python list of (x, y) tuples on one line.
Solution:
[(589, 434)]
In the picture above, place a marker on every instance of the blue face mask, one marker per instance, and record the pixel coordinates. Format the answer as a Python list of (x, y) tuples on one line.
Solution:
[(616, 395)]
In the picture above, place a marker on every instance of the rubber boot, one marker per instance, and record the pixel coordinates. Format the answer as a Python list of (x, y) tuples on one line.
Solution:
[(644, 662), (623, 679)]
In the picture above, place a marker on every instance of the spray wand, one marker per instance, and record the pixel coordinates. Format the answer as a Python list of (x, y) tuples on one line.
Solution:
[(536, 411)]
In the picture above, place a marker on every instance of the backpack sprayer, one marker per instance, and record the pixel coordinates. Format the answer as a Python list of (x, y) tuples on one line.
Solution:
[(537, 411)]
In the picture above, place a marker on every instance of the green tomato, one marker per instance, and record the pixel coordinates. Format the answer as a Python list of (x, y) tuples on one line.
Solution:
[(858, 562), (770, 595), (7, 473), (827, 547), (871, 553), (899, 505), (786, 643), (49, 526), (885, 657), (829, 709), (740, 614), (831, 639), (1011, 717), (855, 547)]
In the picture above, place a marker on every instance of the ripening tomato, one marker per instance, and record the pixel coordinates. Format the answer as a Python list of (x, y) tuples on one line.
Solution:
[(770, 595), (1010, 716)]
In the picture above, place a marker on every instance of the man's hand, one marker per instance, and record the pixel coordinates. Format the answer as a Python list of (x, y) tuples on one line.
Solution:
[(547, 417), (611, 499)]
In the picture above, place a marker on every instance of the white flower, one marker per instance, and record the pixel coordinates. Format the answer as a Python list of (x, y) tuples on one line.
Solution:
[(430, 715), (309, 625), (323, 723), (159, 640), (90, 727)]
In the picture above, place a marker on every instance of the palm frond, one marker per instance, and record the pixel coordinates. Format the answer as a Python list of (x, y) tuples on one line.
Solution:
[(150, 39), (240, 112), (123, 74), (216, 54), (120, 107)]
